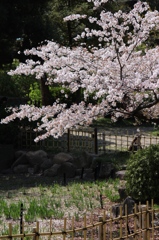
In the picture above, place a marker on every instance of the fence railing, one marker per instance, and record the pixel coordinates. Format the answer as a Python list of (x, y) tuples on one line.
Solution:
[(92, 140), (141, 224)]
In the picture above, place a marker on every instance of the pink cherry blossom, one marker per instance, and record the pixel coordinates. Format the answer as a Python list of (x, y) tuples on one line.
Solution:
[(123, 78)]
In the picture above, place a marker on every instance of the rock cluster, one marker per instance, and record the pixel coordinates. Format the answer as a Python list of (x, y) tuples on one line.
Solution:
[(86, 166)]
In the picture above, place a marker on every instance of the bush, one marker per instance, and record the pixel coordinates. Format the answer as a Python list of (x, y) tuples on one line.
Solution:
[(142, 174)]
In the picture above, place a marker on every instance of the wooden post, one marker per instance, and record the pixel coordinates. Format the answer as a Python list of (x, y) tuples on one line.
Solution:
[(21, 219), (100, 219), (121, 222), (73, 224), (10, 230), (36, 231), (82, 172), (64, 179), (68, 140), (95, 141), (85, 231), (143, 221), (64, 234), (152, 219), (147, 221)]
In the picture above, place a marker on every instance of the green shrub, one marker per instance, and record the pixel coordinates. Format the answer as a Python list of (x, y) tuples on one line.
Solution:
[(142, 174)]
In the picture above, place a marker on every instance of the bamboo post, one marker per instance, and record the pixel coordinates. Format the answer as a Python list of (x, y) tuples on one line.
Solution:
[(68, 140), (121, 221), (64, 231), (140, 219), (152, 220), (126, 221), (104, 227), (111, 224), (135, 221), (36, 231), (147, 220), (143, 222), (95, 141), (92, 228), (50, 228), (73, 224), (21, 219), (100, 219), (10, 230), (85, 230)]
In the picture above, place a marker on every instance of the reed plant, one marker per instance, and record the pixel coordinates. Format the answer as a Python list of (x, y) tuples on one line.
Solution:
[(56, 201)]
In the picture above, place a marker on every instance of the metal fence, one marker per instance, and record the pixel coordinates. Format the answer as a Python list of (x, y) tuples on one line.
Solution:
[(92, 140), (141, 224)]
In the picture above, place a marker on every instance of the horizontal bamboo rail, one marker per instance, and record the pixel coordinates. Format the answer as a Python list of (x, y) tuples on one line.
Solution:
[(137, 225)]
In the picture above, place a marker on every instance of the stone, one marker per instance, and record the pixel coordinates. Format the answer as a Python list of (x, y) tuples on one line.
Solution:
[(7, 171), (53, 171), (106, 170), (21, 169), (116, 210), (61, 158), (47, 163), (122, 192), (36, 157), (88, 159), (67, 168), (19, 153), (22, 160), (129, 204)]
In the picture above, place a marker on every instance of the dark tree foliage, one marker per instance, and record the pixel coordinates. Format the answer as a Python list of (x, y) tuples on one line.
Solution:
[(23, 24)]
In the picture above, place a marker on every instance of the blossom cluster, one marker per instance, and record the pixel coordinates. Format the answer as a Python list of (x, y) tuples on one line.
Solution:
[(122, 77)]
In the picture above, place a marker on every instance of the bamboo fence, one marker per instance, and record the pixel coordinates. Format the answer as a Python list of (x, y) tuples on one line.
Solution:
[(140, 225), (90, 139)]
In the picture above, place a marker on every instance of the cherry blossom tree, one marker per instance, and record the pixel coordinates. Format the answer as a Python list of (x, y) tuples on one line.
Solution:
[(121, 72)]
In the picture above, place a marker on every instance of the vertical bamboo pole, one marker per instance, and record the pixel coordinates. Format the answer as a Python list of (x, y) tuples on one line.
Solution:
[(95, 141), (121, 141), (147, 220), (64, 229), (92, 227), (135, 221), (104, 227), (150, 139), (140, 220), (73, 224), (37, 227), (85, 231), (50, 228), (116, 142), (127, 141), (126, 221), (100, 219), (68, 140), (143, 209), (10, 230), (34, 231), (121, 221), (111, 223), (152, 218), (103, 135)]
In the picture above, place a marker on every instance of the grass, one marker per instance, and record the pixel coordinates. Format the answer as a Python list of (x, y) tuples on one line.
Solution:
[(55, 201)]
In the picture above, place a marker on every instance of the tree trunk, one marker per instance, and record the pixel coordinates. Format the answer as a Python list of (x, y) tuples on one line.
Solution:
[(45, 92)]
